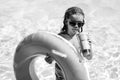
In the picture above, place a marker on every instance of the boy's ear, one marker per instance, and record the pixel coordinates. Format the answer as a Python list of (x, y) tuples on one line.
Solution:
[(65, 22), (82, 26), (83, 22)]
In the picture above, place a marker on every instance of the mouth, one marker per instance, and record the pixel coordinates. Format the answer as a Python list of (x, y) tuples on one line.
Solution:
[(75, 29)]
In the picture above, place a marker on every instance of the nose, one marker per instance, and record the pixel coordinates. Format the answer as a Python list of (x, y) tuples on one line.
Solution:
[(76, 26)]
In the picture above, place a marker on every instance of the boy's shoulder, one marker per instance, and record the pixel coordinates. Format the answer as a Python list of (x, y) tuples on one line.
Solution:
[(64, 35)]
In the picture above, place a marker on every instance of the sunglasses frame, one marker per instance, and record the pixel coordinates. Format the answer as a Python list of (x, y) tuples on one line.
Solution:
[(78, 23)]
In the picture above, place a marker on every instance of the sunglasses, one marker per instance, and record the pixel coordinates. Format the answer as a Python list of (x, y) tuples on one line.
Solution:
[(78, 23)]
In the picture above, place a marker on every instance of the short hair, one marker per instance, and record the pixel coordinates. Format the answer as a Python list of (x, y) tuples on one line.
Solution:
[(70, 11)]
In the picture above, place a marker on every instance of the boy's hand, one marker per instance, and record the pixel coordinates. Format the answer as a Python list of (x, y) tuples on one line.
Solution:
[(87, 56), (48, 59)]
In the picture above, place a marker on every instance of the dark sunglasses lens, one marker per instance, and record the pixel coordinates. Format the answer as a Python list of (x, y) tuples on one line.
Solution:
[(80, 24), (72, 23)]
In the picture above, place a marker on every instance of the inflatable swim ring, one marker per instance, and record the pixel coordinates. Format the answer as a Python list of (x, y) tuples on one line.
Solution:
[(43, 43)]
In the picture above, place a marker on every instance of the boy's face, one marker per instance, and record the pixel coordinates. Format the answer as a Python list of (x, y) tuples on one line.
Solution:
[(74, 23)]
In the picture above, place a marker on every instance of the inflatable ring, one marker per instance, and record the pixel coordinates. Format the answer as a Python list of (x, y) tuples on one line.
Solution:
[(45, 43)]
